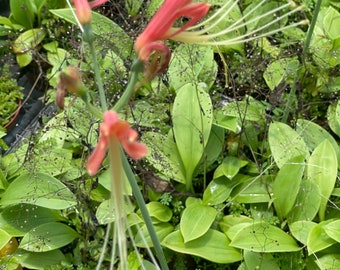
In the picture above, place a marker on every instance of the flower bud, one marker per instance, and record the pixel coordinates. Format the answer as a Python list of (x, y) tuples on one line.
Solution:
[(83, 11), (70, 78)]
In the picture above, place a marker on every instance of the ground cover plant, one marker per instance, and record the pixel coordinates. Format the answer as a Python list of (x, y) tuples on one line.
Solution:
[(230, 126)]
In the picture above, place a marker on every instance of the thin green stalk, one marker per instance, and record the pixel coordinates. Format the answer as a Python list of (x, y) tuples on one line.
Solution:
[(311, 29), (136, 68), (88, 36), (147, 219), (304, 55)]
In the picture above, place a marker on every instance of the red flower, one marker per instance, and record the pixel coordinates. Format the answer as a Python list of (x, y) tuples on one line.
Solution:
[(83, 9), (161, 28), (115, 129)]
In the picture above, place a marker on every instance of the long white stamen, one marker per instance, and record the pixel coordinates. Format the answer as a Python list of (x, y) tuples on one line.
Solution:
[(232, 28)]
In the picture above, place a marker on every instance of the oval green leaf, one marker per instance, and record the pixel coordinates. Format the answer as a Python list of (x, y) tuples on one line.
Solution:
[(262, 237), (212, 246), (38, 189), (287, 185), (196, 221), (28, 40), (285, 143), (192, 121), (322, 171), (48, 236)]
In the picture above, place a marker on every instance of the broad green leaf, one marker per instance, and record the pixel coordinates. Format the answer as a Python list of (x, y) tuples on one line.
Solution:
[(318, 239), (333, 230), (164, 156), (262, 237), (192, 121), (301, 229), (287, 185), (18, 219), (38, 189), (214, 146), (307, 202), (184, 68), (143, 239), (230, 220), (333, 116), (212, 246), (24, 59), (280, 70), (331, 22), (322, 171), (4, 239), (314, 134), (227, 122), (232, 165), (285, 143), (28, 40), (264, 261), (102, 27), (253, 190), (196, 221), (159, 211), (39, 260), (22, 12), (329, 261), (47, 237), (217, 191), (105, 212)]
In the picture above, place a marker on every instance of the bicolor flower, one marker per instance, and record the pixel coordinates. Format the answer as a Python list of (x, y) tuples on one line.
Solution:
[(83, 9), (111, 130), (161, 27)]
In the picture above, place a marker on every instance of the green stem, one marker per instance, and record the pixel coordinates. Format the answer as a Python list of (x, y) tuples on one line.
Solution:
[(304, 55), (311, 29), (147, 219), (136, 68), (88, 36)]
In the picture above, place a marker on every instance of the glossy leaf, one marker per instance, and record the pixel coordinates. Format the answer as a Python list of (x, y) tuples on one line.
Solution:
[(217, 191), (4, 239), (143, 239), (23, 12), (192, 121), (314, 134), (285, 143), (40, 260), (333, 116), (231, 220), (196, 220), (19, 219), (333, 230), (263, 261), (301, 229), (38, 189), (318, 239), (105, 212), (287, 185), (28, 40), (307, 202), (329, 261), (322, 171), (48, 236), (159, 211), (24, 59), (212, 246), (262, 237), (232, 165)]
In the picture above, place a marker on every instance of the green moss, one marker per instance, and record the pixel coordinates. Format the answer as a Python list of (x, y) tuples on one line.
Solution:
[(10, 93)]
